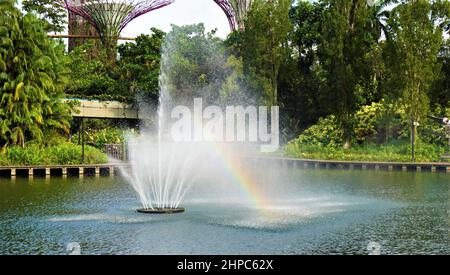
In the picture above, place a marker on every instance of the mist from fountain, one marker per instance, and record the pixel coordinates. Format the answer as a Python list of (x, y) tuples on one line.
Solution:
[(163, 170)]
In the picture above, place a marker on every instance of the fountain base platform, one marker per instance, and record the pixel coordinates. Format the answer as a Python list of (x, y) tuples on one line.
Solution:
[(161, 210)]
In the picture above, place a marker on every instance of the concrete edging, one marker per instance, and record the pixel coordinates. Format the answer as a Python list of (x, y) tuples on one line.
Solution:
[(62, 170), (363, 165)]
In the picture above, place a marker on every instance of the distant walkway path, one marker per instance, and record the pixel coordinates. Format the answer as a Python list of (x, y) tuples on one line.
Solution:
[(103, 109)]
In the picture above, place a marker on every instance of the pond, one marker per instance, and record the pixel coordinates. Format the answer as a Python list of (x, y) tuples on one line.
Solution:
[(316, 212)]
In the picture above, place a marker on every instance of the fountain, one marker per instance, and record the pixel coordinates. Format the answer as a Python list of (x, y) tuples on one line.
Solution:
[(164, 166), (162, 170), (161, 173)]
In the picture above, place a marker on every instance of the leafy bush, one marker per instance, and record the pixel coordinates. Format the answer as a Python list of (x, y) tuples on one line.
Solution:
[(105, 136), (3, 160), (380, 122), (71, 154), (366, 121), (62, 154), (323, 140), (433, 131), (99, 138), (376, 123), (326, 133), (394, 152), (33, 73), (29, 155)]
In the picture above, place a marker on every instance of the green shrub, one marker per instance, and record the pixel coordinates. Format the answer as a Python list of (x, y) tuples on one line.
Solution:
[(62, 154), (53, 138), (99, 138), (326, 132), (367, 120), (380, 122), (93, 155), (399, 151), (372, 123), (433, 131), (105, 136), (29, 155), (4, 160)]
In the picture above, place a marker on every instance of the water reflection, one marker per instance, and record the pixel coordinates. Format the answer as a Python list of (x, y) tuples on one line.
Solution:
[(315, 212)]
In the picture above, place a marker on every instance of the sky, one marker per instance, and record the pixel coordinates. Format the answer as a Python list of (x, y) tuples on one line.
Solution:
[(181, 12)]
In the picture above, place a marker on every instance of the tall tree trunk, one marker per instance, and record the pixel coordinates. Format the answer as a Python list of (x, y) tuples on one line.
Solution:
[(413, 139), (110, 45), (388, 132), (346, 132), (275, 94)]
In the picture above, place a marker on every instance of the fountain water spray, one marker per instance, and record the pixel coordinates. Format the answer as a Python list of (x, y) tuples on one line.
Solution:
[(160, 176), (162, 170), (166, 162)]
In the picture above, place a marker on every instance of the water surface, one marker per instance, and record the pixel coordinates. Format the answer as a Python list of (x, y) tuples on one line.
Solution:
[(313, 212)]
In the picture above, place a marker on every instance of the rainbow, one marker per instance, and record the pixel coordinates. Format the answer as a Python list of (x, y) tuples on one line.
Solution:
[(241, 176)]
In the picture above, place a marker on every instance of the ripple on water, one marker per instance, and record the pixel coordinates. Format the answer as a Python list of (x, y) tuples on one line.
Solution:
[(279, 216)]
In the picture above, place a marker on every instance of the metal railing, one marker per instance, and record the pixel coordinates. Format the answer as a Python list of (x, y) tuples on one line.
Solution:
[(116, 151)]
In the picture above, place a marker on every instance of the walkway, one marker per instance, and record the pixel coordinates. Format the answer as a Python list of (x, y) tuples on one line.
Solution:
[(103, 109)]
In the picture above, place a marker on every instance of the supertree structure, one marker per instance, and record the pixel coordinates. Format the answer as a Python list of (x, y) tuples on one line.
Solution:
[(79, 26), (236, 11), (110, 17)]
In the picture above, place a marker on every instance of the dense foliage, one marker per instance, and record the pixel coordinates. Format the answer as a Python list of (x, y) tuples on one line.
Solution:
[(134, 76), (349, 75), (63, 153), (379, 134), (52, 12), (193, 63), (264, 44), (33, 73), (390, 152), (376, 72), (139, 65), (98, 138)]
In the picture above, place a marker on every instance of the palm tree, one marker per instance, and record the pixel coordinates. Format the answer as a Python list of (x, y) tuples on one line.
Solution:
[(32, 76), (381, 13)]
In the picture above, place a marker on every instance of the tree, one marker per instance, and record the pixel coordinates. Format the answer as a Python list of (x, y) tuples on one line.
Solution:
[(139, 65), (265, 43), (307, 19), (91, 77), (50, 11), (348, 38), (440, 92), (134, 76), (411, 56), (299, 81), (192, 64), (33, 72)]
